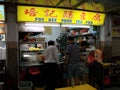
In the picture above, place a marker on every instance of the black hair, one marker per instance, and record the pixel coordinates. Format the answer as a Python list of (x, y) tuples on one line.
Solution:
[(84, 43), (51, 42), (70, 38)]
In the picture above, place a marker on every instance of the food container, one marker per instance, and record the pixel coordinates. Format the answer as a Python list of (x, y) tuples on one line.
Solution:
[(41, 57), (30, 57)]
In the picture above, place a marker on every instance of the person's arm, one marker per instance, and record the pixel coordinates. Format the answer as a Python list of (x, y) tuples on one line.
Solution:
[(66, 61), (81, 57), (66, 58), (56, 55)]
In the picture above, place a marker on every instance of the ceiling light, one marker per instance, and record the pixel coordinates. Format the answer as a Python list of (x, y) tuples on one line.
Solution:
[(1, 22), (35, 28), (42, 24), (75, 25)]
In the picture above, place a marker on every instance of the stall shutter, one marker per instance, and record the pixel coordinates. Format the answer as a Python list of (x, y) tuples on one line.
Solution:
[(116, 46)]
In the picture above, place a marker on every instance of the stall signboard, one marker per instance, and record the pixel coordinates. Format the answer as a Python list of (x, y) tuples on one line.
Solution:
[(2, 13), (44, 14), (39, 2), (67, 3), (92, 6)]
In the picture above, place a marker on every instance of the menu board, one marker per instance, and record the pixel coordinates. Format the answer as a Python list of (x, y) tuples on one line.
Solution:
[(2, 13), (55, 15)]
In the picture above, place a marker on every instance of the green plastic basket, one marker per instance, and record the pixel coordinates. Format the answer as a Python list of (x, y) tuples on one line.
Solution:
[(25, 85)]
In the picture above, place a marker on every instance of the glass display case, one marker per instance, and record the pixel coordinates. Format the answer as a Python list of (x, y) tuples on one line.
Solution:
[(31, 46)]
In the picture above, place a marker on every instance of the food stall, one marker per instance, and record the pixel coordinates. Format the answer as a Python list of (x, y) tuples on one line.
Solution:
[(37, 25)]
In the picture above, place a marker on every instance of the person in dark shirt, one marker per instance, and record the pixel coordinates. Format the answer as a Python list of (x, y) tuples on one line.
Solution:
[(72, 61), (83, 64)]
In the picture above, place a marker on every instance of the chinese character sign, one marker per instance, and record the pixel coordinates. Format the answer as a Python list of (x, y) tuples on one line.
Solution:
[(30, 12), (50, 13), (39, 2), (44, 14), (68, 14)]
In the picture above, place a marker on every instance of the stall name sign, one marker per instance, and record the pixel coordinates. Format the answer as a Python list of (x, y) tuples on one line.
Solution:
[(43, 14), (2, 13)]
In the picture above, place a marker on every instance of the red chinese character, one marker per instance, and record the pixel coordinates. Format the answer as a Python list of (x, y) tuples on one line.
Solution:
[(65, 14), (96, 8), (49, 2), (26, 0), (26, 11), (52, 12), (82, 16), (31, 1), (68, 14), (83, 6), (31, 12), (49, 13), (96, 17)]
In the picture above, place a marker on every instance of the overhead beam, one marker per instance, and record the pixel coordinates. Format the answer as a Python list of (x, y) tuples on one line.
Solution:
[(115, 2), (112, 10), (79, 3)]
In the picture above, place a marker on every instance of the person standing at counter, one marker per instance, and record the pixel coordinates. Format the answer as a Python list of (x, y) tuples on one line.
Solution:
[(72, 61), (51, 66)]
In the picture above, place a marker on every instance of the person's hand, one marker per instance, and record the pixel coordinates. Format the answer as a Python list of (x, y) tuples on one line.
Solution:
[(65, 68)]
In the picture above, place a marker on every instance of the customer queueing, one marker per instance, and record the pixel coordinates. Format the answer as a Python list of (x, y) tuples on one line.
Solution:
[(83, 66), (95, 69), (72, 61), (51, 66)]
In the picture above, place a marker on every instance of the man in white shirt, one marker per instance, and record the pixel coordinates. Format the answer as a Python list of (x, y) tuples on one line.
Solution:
[(51, 53), (51, 66)]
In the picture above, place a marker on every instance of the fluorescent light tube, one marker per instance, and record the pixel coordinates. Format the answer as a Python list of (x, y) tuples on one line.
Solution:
[(56, 24), (75, 25), (1, 22), (35, 28), (26, 55), (42, 24)]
